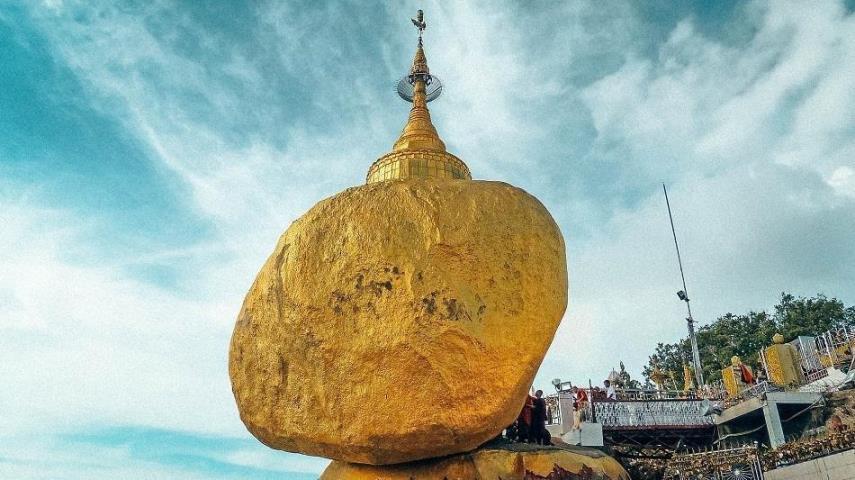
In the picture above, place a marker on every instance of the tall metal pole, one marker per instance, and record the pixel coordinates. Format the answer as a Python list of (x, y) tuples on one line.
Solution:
[(690, 322)]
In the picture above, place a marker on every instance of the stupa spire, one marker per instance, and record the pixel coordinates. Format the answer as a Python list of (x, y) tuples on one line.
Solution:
[(418, 152), (419, 132)]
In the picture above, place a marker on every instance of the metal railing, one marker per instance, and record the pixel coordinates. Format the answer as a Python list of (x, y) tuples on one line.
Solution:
[(651, 413), (635, 407), (759, 389), (739, 463), (830, 349), (836, 346), (641, 407), (631, 394)]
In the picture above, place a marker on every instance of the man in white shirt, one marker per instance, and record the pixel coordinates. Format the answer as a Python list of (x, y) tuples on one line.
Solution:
[(610, 391)]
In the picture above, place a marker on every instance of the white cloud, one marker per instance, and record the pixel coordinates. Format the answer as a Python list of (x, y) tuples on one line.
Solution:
[(89, 344), (749, 139), (45, 456), (755, 140), (842, 179)]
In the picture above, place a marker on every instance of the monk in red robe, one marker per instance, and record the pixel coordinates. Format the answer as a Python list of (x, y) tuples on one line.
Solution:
[(524, 419)]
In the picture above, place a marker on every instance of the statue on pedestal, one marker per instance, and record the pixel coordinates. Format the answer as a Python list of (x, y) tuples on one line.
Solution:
[(658, 377), (737, 377), (688, 379), (783, 363)]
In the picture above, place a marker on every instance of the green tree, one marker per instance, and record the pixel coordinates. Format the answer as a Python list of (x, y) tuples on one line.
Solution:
[(745, 335), (740, 335), (811, 316)]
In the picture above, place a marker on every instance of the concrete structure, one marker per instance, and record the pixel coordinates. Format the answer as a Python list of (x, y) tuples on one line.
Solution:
[(590, 435), (767, 418), (561, 425), (840, 466), (832, 379), (561, 411)]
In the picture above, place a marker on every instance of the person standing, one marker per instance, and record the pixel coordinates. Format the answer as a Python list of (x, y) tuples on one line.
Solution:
[(610, 391), (524, 420), (580, 403), (538, 433)]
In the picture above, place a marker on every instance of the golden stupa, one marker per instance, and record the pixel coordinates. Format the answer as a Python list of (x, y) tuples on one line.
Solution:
[(419, 152), (405, 318)]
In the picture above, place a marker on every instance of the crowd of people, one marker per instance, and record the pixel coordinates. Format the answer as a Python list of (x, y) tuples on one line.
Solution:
[(530, 425)]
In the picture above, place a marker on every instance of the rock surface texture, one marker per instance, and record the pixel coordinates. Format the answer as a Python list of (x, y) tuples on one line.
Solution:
[(399, 320), (516, 462)]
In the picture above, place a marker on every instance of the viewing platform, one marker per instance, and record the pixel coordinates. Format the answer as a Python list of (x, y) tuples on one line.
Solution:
[(638, 419), (768, 416)]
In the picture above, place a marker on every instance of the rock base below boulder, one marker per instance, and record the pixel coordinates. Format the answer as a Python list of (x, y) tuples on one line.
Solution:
[(494, 462)]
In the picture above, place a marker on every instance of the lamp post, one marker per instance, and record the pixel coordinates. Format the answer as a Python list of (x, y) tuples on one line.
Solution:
[(693, 340), (682, 295)]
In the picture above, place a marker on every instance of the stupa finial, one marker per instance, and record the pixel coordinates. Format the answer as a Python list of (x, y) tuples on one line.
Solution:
[(420, 62), (418, 152), (419, 22), (419, 133)]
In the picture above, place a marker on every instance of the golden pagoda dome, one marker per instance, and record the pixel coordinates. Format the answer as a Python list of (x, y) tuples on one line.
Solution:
[(418, 152)]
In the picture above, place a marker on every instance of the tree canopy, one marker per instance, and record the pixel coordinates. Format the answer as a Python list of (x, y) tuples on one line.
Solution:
[(746, 334)]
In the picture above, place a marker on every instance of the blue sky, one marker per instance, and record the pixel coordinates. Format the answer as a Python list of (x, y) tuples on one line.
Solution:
[(152, 152)]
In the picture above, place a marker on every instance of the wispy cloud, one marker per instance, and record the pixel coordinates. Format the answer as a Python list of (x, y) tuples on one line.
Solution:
[(89, 341), (245, 116), (145, 453), (739, 133)]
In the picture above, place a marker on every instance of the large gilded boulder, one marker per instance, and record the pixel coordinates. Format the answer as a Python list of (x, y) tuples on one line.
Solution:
[(510, 462), (399, 320)]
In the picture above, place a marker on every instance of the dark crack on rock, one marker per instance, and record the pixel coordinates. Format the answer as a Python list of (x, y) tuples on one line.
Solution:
[(378, 287), (430, 304), (451, 308)]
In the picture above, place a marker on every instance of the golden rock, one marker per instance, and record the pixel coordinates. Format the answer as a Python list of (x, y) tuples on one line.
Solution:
[(513, 462), (399, 320), (403, 319)]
